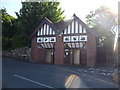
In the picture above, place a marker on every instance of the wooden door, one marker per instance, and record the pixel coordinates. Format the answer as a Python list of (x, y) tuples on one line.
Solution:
[(66, 56), (83, 57)]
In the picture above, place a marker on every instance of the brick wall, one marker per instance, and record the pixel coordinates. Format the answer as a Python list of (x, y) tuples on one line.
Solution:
[(91, 51), (37, 54), (59, 51)]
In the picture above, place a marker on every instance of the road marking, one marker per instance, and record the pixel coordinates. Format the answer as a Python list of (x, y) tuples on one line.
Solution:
[(81, 74), (85, 75), (21, 77)]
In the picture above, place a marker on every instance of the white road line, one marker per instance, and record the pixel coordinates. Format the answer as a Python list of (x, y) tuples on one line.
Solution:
[(83, 74), (21, 77)]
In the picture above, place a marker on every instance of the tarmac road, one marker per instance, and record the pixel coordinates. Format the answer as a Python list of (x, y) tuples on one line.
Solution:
[(20, 74)]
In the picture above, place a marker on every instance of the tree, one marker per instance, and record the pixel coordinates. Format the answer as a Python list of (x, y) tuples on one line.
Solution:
[(102, 20), (31, 14), (8, 29)]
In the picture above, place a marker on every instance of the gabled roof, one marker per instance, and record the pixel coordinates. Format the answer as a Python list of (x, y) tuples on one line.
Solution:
[(84, 25), (45, 20), (60, 26), (64, 23)]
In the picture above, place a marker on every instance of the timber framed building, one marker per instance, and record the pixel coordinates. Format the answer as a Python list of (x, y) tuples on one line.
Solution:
[(69, 42)]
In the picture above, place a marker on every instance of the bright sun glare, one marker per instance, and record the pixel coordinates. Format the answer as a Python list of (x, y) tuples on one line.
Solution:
[(82, 8)]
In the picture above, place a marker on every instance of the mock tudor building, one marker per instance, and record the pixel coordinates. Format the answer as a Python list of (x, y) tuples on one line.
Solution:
[(69, 42)]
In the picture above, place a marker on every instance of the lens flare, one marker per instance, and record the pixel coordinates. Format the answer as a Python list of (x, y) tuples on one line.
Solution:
[(74, 81)]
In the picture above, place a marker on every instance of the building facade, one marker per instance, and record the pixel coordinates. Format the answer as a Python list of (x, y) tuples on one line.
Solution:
[(69, 42)]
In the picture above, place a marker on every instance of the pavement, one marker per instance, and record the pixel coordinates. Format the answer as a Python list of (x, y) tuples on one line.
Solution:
[(20, 74)]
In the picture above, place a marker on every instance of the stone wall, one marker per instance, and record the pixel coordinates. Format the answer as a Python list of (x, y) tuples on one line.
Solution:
[(19, 53)]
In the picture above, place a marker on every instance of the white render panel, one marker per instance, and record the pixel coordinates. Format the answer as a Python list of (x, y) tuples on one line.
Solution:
[(42, 45), (69, 44), (84, 30), (38, 33), (76, 27), (49, 45), (45, 45), (44, 29), (47, 29), (77, 45), (81, 45), (38, 40), (65, 31), (72, 27), (50, 30), (80, 28), (41, 30), (68, 29), (53, 32), (73, 45)]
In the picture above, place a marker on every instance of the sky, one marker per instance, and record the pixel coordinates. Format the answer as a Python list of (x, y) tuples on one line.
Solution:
[(80, 7)]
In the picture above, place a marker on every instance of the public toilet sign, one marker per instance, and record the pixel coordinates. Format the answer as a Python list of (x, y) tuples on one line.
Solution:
[(46, 39), (75, 38)]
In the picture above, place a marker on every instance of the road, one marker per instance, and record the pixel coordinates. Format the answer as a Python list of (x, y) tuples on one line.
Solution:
[(20, 74)]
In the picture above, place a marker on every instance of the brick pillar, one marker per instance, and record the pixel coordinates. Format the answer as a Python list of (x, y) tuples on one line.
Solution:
[(37, 54), (59, 51)]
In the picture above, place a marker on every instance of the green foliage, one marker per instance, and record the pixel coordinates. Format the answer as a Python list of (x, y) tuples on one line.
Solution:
[(17, 42), (16, 32), (8, 29), (7, 24), (31, 14), (6, 43)]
